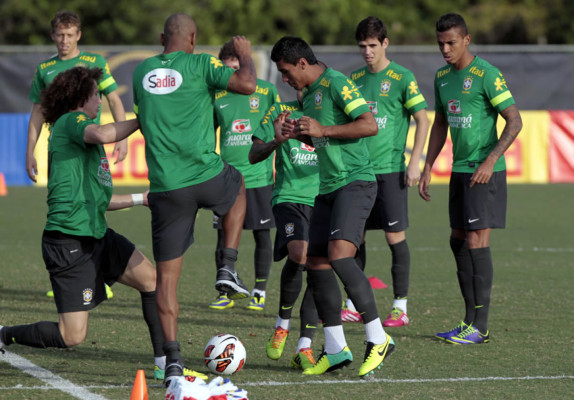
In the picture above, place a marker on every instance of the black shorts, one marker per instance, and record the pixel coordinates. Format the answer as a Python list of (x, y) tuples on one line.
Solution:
[(79, 266), (391, 210), (340, 215), (258, 213), (173, 212), (293, 224), (482, 206)]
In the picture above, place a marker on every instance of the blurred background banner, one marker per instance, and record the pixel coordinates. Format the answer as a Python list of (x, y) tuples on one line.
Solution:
[(538, 77)]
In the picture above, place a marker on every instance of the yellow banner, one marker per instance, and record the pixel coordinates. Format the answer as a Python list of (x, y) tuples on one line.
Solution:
[(526, 159)]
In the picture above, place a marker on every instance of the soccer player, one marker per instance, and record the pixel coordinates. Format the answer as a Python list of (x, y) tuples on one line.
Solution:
[(173, 98), (392, 92), (80, 252), (469, 95), (336, 118), (66, 33), (296, 186), (238, 116)]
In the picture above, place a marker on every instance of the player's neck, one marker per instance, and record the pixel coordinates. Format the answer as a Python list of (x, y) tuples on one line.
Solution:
[(464, 62), (70, 56), (316, 71), (378, 67)]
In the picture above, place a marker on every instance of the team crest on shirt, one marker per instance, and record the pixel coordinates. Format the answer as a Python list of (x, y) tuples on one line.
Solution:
[(467, 83), (385, 86), (290, 229), (373, 106), (87, 296), (454, 107), (318, 98), (254, 102)]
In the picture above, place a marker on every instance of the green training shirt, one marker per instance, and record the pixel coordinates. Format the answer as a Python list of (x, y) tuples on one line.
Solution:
[(333, 99), (471, 99), (238, 116), (393, 96), (49, 69), (173, 98), (296, 165), (79, 179)]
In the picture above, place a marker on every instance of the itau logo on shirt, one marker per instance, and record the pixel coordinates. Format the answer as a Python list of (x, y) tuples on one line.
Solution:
[(162, 81)]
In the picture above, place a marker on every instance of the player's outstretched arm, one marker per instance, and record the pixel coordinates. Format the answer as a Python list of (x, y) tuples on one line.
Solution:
[(437, 140), (121, 201), (110, 133), (244, 80), (34, 130)]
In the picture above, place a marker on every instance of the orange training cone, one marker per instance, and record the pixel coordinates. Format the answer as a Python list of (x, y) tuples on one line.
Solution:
[(3, 189), (139, 392)]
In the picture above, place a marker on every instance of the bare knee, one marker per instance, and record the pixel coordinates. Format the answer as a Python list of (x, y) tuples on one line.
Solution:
[(74, 337)]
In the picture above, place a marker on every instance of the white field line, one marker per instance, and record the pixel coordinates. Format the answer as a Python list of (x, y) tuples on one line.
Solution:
[(69, 387), (51, 379)]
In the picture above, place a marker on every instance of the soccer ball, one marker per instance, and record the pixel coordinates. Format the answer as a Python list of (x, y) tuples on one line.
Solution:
[(224, 354)]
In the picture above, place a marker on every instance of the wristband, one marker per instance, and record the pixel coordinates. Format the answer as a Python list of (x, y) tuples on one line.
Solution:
[(137, 199)]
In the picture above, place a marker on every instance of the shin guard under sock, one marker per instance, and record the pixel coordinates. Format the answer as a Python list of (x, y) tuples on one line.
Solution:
[(482, 279), (41, 335), (151, 317), (327, 296), (291, 284), (464, 273), (400, 269)]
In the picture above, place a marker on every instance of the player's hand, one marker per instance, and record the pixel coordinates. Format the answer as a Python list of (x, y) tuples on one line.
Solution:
[(31, 167), (242, 46), (278, 125), (290, 128), (483, 173), (120, 151), (311, 127), (145, 201), (413, 175), (424, 185)]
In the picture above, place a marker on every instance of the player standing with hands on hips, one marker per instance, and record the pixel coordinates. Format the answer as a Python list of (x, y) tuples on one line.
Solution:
[(173, 98), (469, 95)]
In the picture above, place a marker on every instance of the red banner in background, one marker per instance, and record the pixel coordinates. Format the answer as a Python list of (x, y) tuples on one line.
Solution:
[(561, 146)]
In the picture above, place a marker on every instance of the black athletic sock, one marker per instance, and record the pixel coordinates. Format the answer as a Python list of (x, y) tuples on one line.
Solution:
[(172, 353), (219, 248), (228, 257), (327, 296), (263, 257), (400, 269), (41, 335), (357, 287), (361, 256), (482, 279), (464, 272), (291, 284), (151, 317), (309, 316)]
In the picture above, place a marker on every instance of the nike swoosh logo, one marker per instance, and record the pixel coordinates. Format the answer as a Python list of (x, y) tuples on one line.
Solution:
[(264, 221), (393, 223), (310, 326), (335, 231), (470, 221), (286, 308), (50, 72), (443, 84), (223, 105), (358, 87)]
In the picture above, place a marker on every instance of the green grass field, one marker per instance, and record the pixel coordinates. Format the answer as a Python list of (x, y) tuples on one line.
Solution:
[(530, 355)]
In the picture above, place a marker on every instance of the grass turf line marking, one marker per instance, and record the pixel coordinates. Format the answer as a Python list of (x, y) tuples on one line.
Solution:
[(364, 381), (315, 382), (49, 378)]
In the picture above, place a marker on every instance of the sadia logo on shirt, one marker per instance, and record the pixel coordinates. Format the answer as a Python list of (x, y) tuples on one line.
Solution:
[(162, 81), (241, 125)]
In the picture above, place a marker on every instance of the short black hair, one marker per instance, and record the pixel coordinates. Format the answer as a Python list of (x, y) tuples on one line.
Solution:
[(371, 27), (227, 51), (291, 49), (451, 20)]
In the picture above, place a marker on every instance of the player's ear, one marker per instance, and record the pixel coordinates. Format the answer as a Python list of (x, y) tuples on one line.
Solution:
[(192, 39), (79, 35), (162, 39)]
